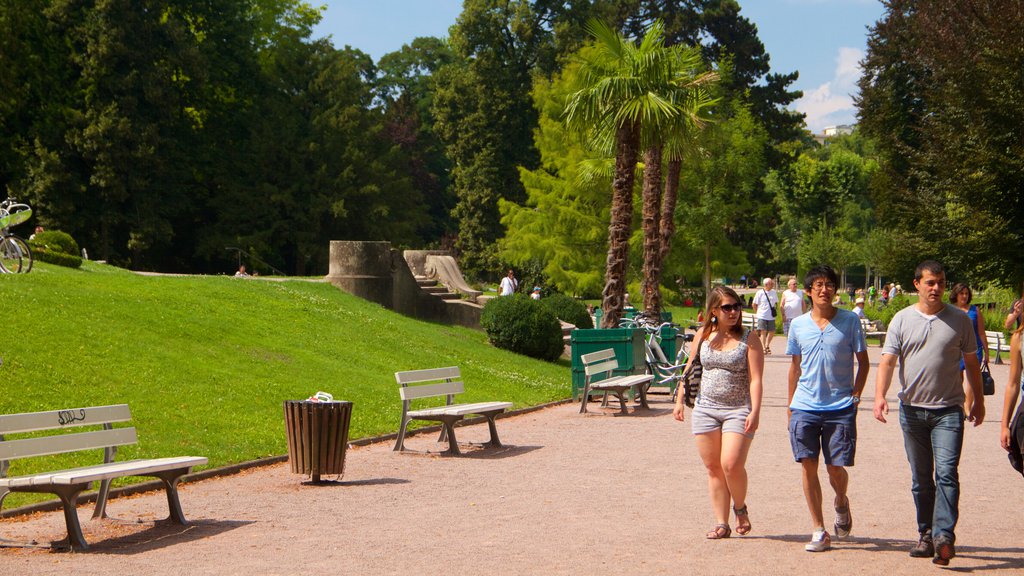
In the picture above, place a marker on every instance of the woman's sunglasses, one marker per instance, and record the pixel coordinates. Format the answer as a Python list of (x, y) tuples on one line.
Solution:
[(731, 307)]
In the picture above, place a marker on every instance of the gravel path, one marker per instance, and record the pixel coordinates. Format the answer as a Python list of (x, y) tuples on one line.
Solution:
[(569, 494)]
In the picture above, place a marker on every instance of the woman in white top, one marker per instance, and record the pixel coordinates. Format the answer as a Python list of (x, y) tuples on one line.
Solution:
[(793, 304)]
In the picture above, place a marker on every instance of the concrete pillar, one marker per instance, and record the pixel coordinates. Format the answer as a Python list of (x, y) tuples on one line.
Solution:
[(364, 269)]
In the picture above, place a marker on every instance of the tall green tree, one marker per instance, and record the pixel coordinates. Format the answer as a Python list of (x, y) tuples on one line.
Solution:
[(940, 94)]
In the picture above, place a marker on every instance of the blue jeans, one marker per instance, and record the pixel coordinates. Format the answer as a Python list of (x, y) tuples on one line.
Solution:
[(933, 439)]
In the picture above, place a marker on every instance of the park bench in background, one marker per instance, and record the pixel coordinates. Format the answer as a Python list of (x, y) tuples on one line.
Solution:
[(748, 321), (68, 484), (997, 341), (603, 362), (442, 382), (870, 329)]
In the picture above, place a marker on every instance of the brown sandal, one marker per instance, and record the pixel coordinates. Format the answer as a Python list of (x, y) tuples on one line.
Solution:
[(719, 532), (742, 528)]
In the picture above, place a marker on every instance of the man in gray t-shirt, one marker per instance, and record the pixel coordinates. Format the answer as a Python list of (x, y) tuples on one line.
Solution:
[(929, 339)]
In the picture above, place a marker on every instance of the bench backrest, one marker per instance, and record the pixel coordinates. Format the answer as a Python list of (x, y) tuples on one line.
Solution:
[(62, 443), (996, 340), (599, 362), (440, 382)]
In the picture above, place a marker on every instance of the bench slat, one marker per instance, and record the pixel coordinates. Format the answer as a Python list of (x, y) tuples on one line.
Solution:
[(54, 419), (12, 449), (104, 471), (411, 376), (608, 366), (460, 409), (427, 390), (598, 356)]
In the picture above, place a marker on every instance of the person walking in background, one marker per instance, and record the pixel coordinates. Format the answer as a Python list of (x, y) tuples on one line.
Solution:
[(1010, 439), (961, 296), (858, 307), (824, 394), (928, 340), (765, 304), (509, 284), (793, 304), (728, 407), (241, 273)]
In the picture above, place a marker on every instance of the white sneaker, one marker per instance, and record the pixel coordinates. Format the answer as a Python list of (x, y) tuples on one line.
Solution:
[(820, 541), (844, 521)]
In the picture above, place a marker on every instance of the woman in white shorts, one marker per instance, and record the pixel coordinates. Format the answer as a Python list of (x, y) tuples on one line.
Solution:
[(728, 407)]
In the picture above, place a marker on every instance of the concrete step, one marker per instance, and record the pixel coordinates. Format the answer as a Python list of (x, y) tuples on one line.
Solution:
[(437, 289), (449, 296)]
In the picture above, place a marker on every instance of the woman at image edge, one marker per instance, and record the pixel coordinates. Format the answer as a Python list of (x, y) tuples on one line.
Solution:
[(728, 407)]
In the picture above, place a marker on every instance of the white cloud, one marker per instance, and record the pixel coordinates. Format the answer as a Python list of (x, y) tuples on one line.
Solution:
[(832, 102)]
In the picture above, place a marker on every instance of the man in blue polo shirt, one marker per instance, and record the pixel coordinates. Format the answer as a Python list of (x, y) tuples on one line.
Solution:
[(823, 398)]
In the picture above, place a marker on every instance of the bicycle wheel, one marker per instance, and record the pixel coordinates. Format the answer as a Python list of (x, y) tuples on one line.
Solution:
[(15, 255)]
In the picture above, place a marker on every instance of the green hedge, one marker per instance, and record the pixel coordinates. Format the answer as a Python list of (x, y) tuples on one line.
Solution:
[(56, 247), (522, 325), (568, 309)]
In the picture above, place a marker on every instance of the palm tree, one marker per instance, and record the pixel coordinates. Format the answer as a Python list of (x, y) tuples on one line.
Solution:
[(689, 91), (625, 90)]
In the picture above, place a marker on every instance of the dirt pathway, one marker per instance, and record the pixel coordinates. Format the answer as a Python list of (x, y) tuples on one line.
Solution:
[(570, 494)]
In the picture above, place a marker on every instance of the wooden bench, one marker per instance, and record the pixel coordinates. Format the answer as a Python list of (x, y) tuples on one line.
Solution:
[(603, 362), (870, 329), (442, 382), (68, 484), (748, 321), (999, 342)]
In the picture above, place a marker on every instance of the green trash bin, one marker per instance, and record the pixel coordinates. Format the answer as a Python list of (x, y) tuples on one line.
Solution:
[(628, 344)]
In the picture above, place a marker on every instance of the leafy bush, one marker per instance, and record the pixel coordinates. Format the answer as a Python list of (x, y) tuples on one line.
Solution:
[(522, 325), (56, 241), (895, 305), (56, 247), (568, 309)]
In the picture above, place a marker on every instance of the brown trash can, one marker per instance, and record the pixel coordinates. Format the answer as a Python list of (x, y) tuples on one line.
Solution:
[(317, 436)]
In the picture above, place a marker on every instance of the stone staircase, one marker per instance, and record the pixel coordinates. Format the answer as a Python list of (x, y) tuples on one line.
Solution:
[(436, 289)]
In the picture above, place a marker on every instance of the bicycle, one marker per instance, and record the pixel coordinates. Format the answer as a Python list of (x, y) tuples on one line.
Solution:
[(15, 255), (666, 373)]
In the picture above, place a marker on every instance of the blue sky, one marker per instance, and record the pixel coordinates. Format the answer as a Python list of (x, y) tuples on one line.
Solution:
[(822, 39)]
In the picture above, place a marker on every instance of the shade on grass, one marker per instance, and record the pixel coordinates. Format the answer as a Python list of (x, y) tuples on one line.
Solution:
[(206, 362)]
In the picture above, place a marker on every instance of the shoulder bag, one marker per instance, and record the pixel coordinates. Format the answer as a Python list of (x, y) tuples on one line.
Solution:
[(691, 378), (988, 383)]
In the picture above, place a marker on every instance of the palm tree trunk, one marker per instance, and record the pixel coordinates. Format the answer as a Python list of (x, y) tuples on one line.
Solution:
[(650, 285), (668, 207), (626, 144)]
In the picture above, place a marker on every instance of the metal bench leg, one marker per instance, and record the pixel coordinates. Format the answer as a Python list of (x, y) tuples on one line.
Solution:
[(170, 479), (622, 401), (400, 443), (69, 499), (449, 429), (494, 429), (642, 388), (101, 500)]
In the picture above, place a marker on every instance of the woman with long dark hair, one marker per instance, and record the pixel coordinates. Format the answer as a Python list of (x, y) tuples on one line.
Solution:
[(728, 407)]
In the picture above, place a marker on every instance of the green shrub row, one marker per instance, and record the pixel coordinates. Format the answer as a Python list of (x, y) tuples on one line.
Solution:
[(522, 325)]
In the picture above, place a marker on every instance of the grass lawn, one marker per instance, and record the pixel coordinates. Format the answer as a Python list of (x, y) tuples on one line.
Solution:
[(205, 362)]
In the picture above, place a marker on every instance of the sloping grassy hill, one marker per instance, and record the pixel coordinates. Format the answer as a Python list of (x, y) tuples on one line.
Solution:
[(205, 362)]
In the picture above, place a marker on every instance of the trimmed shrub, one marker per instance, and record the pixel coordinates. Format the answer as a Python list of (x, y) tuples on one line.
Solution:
[(65, 260), (56, 241), (56, 247), (568, 309), (524, 326)]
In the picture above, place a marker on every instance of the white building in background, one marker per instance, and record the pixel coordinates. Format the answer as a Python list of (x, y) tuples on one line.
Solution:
[(840, 130)]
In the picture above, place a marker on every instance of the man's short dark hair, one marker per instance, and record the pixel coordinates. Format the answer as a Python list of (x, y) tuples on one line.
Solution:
[(820, 271), (930, 265)]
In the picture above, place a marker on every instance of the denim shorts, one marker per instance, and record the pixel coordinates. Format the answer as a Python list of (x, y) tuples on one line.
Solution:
[(831, 431), (766, 325), (707, 419)]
